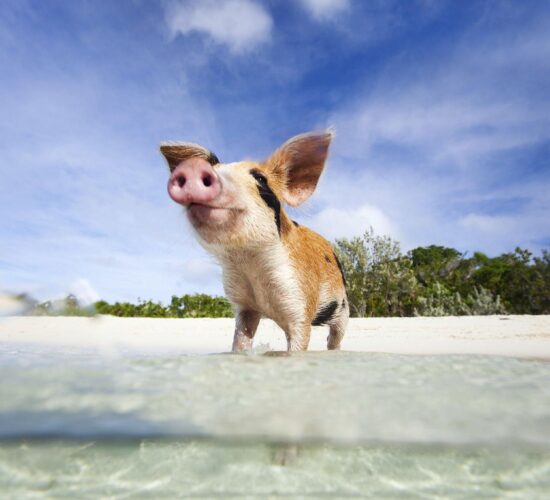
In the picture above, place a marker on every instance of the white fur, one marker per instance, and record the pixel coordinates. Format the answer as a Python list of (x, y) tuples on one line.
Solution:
[(325, 295), (264, 280)]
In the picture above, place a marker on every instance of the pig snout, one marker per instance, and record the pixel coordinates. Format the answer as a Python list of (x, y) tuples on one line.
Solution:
[(194, 181)]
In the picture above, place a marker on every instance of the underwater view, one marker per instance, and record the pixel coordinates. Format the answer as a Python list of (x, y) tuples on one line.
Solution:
[(265, 424)]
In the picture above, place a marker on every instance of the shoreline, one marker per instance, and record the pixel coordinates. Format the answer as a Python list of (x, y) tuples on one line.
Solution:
[(514, 336)]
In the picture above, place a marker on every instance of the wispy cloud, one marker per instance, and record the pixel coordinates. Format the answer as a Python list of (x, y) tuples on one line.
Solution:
[(457, 109), (323, 10), (241, 25), (425, 144), (346, 222), (83, 193), (442, 128)]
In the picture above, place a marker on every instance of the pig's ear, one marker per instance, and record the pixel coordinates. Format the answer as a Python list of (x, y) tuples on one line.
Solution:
[(300, 161), (176, 152)]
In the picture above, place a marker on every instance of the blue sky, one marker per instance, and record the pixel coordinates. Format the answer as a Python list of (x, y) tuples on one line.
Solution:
[(441, 109)]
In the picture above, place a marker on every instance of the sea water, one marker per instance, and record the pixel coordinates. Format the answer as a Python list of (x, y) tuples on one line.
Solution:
[(309, 425)]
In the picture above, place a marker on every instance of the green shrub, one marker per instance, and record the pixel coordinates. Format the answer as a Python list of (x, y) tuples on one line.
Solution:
[(440, 281), (380, 280), (188, 306)]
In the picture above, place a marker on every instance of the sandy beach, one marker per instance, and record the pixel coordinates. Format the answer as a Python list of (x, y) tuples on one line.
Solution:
[(516, 336)]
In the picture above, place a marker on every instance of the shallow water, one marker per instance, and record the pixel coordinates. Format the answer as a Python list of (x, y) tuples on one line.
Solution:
[(314, 424), (172, 469)]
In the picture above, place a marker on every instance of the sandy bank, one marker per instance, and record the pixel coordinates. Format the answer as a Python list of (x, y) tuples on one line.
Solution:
[(520, 336)]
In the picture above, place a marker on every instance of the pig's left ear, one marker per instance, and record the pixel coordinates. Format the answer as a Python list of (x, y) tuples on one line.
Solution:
[(176, 152), (300, 162)]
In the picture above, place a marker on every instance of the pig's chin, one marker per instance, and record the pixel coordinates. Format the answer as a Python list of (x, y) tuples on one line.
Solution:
[(208, 218)]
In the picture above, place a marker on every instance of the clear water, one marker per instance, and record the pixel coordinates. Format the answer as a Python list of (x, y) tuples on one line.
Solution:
[(311, 425)]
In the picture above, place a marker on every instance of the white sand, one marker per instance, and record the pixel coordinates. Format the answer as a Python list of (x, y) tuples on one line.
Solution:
[(519, 336)]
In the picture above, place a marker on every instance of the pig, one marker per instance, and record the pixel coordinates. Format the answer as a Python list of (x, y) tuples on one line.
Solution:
[(272, 266)]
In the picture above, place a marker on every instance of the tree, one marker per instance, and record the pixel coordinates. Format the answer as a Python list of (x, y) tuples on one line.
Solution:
[(540, 293), (511, 276), (434, 262), (380, 280)]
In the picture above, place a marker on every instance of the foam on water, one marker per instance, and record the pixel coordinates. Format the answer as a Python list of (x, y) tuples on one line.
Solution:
[(345, 424)]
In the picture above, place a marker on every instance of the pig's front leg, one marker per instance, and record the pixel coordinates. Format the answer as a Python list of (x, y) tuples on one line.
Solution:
[(246, 324), (297, 337)]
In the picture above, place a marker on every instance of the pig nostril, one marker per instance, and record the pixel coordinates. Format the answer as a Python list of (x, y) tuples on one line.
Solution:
[(180, 180), (207, 180)]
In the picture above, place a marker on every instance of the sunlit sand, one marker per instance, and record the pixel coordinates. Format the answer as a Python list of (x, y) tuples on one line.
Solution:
[(517, 336)]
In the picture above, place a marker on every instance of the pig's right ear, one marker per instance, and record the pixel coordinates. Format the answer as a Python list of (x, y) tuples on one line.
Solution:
[(299, 163), (176, 152)]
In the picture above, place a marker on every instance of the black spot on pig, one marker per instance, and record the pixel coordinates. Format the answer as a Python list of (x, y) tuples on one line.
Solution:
[(325, 314), (327, 258), (295, 223), (268, 196)]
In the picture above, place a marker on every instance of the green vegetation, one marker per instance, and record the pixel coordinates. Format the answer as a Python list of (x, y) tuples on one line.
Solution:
[(381, 281), (440, 281), (199, 305), (69, 306), (189, 306)]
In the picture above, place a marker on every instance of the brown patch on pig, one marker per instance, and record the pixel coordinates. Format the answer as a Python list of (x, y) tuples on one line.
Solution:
[(315, 274)]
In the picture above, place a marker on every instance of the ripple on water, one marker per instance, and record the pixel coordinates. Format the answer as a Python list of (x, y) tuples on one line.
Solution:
[(353, 424), (177, 469)]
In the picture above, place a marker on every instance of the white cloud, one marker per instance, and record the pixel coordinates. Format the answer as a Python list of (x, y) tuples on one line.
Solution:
[(240, 24), (325, 9), (456, 109), (448, 125), (423, 144), (85, 198), (335, 223)]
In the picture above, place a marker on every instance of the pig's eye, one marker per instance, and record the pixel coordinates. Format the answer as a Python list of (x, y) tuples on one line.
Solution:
[(268, 196), (260, 178)]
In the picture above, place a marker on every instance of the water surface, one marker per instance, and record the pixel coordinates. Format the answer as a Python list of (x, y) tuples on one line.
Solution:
[(313, 424)]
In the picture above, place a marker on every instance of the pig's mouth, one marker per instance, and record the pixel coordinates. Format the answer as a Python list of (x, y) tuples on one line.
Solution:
[(201, 213)]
